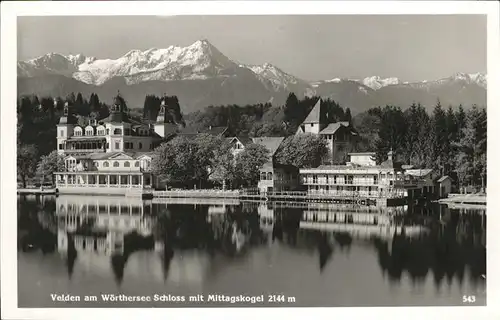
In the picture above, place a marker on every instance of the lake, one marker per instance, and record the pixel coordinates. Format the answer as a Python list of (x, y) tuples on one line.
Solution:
[(291, 255)]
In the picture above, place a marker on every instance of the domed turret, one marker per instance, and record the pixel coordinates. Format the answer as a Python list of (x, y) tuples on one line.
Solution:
[(66, 117)]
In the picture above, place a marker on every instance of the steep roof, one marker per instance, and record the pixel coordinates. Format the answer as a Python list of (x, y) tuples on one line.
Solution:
[(314, 115), (331, 128), (116, 117), (271, 143), (243, 140), (443, 178), (418, 172)]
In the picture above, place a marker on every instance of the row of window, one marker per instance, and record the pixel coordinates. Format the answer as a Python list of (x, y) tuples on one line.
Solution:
[(130, 145), (348, 179), (101, 131), (278, 176), (106, 164), (116, 164)]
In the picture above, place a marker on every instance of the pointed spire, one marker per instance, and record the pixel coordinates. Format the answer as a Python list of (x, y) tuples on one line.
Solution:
[(314, 115)]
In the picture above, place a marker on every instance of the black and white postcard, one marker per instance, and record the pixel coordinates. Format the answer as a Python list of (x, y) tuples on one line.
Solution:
[(174, 158)]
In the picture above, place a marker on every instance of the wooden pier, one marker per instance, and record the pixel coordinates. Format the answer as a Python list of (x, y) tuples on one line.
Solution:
[(466, 199)]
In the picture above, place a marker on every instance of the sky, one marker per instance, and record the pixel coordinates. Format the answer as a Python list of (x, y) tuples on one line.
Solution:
[(314, 47)]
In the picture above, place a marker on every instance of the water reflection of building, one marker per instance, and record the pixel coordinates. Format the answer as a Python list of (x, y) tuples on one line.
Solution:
[(99, 224), (362, 225), (266, 216)]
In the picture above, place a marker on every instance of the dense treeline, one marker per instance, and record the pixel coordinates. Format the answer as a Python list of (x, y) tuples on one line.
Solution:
[(261, 120), (452, 141), (152, 105)]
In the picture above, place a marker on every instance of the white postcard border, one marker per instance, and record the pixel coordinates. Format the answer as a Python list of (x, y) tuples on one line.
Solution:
[(9, 13)]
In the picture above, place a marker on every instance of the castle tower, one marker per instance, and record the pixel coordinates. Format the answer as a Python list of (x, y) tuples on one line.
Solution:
[(64, 127), (160, 125)]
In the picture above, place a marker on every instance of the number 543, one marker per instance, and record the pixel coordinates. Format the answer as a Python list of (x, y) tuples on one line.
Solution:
[(469, 299)]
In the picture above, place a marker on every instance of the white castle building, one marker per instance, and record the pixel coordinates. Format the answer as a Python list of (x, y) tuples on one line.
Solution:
[(111, 155)]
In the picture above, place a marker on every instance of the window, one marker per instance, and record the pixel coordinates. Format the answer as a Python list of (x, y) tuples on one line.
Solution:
[(60, 146), (62, 133), (262, 176), (131, 145), (117, 145), (350, 179), (315, 179), (334, 179), (269, 176), (116, 164), (140, 146), (106, 164), (136, 164), (375, 179), (107, 145), (107, 131), (127, 164), (117, 131), (96, 164)]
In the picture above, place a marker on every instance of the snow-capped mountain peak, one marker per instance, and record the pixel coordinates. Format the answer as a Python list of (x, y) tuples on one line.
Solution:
[(376, 82), (201, 60)]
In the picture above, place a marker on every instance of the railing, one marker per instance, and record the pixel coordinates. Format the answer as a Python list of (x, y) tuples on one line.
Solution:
[(197, 193), (77, 185), (323, 194)]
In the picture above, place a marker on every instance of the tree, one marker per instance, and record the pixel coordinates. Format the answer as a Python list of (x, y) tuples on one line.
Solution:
[(26, 162), (347, 115), (471, 158), (176, 162), (391, 133), (48, 164), (439, 136), (248, 163), (302, 151), (214, 153), (291, 110)]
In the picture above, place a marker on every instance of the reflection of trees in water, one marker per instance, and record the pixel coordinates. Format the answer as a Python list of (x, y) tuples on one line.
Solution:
[(132, 242), (191, 227), (71, 255), (36, 224), (447, 250), (456, 242)]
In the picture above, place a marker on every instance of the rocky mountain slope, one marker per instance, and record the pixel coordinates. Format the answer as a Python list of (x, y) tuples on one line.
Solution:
[(201, 75)]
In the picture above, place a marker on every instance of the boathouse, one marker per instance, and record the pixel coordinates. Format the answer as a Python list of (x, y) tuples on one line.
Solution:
[(274, 176)]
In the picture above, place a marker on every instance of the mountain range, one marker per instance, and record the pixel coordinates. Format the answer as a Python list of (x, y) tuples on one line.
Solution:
[(200, 75)]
